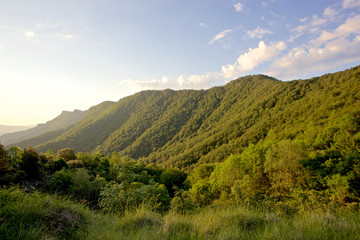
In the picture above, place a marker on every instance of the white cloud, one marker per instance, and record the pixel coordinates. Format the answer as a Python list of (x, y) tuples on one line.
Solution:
[(220, 35), (303, 19), (196, 81), (330, 49), (66, 36), (204, 25), (351, 3), (334, 54), (351, 26), (316, 21), (29, 34), (330, 13), (239, 7), (53, 29), (257, 33), (311, 26), (202, 81), (252, 58)]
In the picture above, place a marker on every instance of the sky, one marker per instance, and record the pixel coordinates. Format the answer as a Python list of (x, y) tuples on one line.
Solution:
[(60, 55)]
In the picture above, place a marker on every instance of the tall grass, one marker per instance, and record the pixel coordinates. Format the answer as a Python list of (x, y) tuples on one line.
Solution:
[(40, 216)]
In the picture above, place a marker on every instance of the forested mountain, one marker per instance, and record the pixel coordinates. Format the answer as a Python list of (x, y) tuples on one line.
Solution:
[(249, 157), (4, 129), (181, 128), (64, 120)]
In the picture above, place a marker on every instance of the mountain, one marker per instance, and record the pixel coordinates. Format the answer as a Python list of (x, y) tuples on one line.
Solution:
[(11, 129), (181, 128), (65, 119)]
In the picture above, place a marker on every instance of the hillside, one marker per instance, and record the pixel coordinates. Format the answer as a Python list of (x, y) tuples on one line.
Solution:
[(4, 129), (64, 120), (181, 128)]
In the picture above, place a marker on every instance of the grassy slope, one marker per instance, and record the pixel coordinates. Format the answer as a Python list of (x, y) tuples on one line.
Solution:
[(38, 216)]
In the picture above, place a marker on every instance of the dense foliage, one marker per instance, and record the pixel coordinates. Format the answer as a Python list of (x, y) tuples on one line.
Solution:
[(289, 176), (287, 148), (187, 127)]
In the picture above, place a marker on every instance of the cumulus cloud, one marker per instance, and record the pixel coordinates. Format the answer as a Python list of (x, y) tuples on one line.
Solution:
[(351, 3), (257, 33), (252, 58), (335, 53), (193, 81), (330, 49), (351, 26), (239, 7), (220, 35), (29, 34)]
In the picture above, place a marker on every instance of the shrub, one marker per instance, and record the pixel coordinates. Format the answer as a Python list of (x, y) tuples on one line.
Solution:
[(182, 202), (61, 181), (120, 197)]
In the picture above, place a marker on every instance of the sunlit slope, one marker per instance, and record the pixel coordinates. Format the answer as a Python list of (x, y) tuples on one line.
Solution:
[(183, 127), (50, 135)]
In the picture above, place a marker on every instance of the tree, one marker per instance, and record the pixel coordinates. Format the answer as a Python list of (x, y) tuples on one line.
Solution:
[(30, 164), (201, 172), (171, 178), (67, 154), (284, 169), (4, 169), (14, 154)]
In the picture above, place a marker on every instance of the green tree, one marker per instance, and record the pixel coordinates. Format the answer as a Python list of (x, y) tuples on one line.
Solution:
[(67, 154), (5, 177), (14, 156), (62, 181), (284, 169), (30, 164), (171, 178), (201, 172)]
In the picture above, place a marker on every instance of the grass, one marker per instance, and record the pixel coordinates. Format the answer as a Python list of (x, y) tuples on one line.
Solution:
[(40, 216)]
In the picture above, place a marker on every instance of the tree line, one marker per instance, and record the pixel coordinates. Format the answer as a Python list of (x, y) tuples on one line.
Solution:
[(287, 175)]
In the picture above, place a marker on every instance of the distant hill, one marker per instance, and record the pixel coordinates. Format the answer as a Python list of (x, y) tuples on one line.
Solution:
[(181, 128), (10, 129), (65, 119)]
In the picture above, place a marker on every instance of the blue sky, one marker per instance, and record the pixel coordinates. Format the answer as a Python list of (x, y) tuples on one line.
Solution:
[(72, 54)]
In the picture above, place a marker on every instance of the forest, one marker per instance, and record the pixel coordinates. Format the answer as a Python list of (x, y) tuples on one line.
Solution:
[(234, 164)]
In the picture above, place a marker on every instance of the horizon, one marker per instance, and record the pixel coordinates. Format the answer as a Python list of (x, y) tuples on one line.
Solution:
[(70, 55)]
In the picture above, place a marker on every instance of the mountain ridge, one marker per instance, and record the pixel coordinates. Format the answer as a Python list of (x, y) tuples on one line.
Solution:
[(65, 119), (181, 128), (5, 129)]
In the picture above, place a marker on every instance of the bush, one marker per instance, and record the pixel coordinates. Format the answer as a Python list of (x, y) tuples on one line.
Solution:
[(61, 181), (182, 202), (120, 197)]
